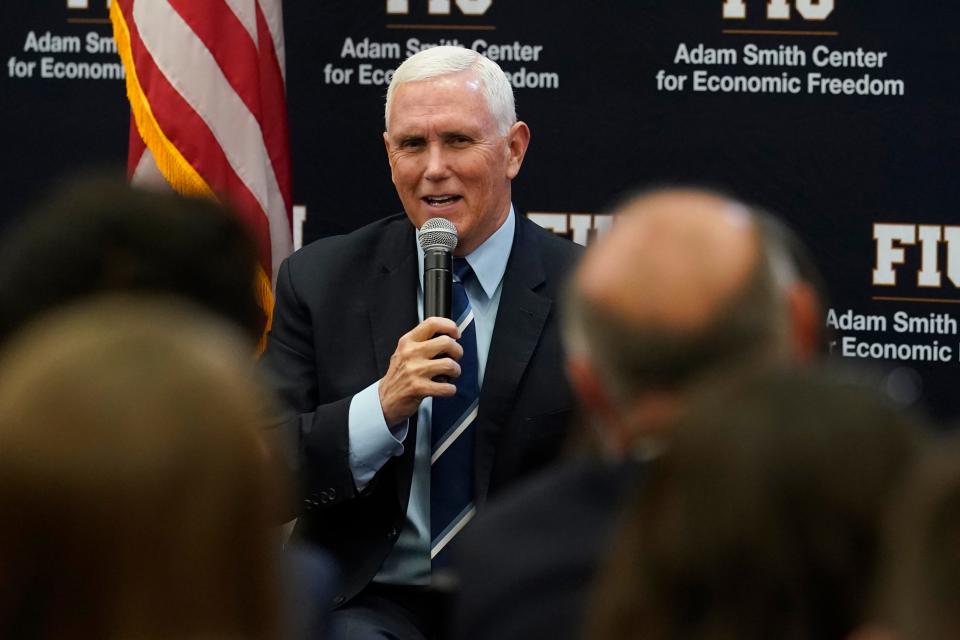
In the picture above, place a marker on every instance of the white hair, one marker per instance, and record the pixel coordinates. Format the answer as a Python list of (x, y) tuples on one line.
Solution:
[(445, 60)]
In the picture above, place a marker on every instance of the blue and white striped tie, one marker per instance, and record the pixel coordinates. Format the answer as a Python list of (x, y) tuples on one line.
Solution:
[(451, 433)]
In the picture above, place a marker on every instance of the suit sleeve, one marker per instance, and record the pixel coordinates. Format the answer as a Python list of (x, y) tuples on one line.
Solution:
[(310, 437)]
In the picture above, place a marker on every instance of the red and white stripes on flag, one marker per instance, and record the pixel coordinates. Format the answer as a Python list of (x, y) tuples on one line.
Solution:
[(205, 79)]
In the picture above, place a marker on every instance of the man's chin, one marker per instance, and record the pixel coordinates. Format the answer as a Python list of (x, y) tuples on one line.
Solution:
[(451, 212), (425, 212)]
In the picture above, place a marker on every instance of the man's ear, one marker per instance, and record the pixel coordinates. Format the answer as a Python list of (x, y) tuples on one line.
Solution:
[(387, 147), (518, 139), (803, 307), (592, 394), (585, 382)]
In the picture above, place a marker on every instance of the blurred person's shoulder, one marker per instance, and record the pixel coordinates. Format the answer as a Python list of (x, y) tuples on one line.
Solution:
[(569, 487), (526, 561)]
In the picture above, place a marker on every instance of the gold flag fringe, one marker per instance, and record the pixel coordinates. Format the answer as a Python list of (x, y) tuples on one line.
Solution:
[(176, 169)]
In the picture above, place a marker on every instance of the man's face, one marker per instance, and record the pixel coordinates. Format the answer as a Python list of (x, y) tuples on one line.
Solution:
[(447, 159)]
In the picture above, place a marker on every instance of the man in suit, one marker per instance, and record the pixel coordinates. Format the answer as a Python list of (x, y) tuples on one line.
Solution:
[(357, 364), (685, 284)]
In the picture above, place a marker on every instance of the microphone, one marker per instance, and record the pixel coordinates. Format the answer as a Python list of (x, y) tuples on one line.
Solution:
[(438, 239)]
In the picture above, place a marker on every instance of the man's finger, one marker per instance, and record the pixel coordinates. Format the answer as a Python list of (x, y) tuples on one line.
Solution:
[(443, 366), (441, 389), (445, 345), (434, 326)]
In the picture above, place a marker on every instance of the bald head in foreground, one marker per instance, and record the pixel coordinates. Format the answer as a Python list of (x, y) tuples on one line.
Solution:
[(686, 284)]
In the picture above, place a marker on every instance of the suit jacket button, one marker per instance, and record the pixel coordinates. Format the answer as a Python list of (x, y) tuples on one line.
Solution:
[(392, 533), (339, 600)]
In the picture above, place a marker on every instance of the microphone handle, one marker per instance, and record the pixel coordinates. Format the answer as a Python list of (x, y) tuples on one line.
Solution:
[(437, 290), (437, 284)]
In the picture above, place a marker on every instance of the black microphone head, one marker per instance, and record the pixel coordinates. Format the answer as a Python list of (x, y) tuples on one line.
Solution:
[(437, 234)]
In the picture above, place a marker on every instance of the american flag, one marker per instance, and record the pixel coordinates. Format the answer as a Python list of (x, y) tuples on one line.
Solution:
[(205, 81)]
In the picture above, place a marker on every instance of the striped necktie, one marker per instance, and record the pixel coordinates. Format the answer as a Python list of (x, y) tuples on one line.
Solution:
[(451, 433)]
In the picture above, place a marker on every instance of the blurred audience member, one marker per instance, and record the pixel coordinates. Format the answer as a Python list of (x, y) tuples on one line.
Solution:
[(763, 520), (922, 594), (134, 496), (686, 282), (99, 235)]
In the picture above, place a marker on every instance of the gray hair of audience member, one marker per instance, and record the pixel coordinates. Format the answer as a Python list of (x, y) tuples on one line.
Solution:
[(135, 499), (753, 323), (921, 595), (764, 518), (436, 62)]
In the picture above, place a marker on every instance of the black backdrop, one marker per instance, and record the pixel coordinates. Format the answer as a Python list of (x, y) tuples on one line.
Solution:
[(832, 164)]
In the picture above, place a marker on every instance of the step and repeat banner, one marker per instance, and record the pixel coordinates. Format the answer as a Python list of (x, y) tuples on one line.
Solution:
[(62, 100), (837, 115)]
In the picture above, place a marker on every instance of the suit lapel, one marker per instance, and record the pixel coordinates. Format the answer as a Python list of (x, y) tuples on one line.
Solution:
[(391, 297), (392, 309), (520, 320)]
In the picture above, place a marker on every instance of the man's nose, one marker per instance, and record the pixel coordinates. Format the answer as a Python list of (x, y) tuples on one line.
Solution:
[(437, 168)]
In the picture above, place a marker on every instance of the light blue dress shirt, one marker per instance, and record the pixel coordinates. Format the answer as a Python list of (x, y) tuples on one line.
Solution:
[(371, 441)]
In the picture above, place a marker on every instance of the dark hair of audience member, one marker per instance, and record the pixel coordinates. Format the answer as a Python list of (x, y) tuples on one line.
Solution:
[(763, 519), (100, 235), (134, 495), (921, 597)]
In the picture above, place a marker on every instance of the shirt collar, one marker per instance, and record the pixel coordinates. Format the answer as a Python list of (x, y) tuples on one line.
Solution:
[(489, 260)]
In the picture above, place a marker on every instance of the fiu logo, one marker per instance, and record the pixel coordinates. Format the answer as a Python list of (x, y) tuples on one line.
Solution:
[(892, 241), (582, 228), (441, 7), (780, 9), (84, 4)]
